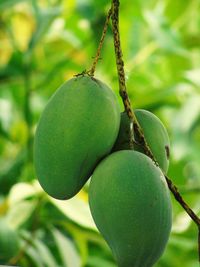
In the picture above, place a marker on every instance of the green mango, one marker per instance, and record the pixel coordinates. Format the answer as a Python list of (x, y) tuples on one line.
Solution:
[(155, 134), (123, 139), (77, 128), (9, 242), (130, 204)]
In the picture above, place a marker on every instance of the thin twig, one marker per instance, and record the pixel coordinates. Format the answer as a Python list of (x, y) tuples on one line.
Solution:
[(136, 127), (96, 59)]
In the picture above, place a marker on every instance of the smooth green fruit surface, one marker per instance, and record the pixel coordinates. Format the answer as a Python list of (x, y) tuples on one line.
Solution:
[(130, 203), (77, 128), (9, 242), (155, 134)]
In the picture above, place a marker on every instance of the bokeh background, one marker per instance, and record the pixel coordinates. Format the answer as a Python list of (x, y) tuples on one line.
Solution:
[(44, 43)]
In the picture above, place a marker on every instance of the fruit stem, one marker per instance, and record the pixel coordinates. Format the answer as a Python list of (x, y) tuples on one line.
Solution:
[(97, 57), (199, 242), (180, 199), (122, 81), (136, 127), (119, 60)]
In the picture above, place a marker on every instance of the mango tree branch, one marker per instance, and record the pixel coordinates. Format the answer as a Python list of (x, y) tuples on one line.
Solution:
[(96, 59), (121, 76), (136, 127)]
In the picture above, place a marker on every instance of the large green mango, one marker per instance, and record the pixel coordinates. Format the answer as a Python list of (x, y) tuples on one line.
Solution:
[(130, 203), (77, 128), (9, 242), (155, 134)]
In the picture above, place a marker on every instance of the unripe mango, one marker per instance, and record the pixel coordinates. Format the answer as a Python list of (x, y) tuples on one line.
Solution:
[(77, 128), (130, 203), (9, 242), (123, 139), (155, 134)]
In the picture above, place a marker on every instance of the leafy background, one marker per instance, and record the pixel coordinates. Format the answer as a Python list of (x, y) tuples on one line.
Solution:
[(45, 42)]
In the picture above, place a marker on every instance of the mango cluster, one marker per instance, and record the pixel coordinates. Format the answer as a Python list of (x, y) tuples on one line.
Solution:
[(82, 134)]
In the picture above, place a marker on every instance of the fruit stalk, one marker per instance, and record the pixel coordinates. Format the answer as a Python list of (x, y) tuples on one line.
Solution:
[(136, 127), (119, 60), (122, 81), (96, 59), (199, 241)]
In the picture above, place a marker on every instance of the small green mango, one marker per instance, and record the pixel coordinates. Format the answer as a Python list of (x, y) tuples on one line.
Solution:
[(130, 203), (9, 242), (155, 134), (77, 128)]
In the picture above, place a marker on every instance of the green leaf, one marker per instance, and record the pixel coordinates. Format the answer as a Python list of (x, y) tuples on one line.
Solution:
[(33, 254), (187, 115), (77, 210), (15, 66), (193, 76), (9, 176), (67, 250), (167, 38), (45, 253), (98, 262), (21, 191), (4, 4), (45, 19), (20, 212)]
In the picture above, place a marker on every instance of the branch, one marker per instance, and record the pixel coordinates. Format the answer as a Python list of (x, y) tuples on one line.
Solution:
[(137, 129), (96, 59), (122, 81), (180, 199)]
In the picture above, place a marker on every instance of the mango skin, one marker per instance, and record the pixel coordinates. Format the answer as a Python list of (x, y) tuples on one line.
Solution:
[(123, 139), (155, 134), (77, 128), (130, 204), (9, 242)]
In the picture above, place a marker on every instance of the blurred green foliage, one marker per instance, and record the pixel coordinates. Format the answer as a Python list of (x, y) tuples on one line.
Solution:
[(45, 42)]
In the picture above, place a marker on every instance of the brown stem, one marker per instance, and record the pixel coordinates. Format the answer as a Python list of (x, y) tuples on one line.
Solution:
[(122, 81), (119, 60), (96, 59), (199, 241), (180, 199), (136, 127)]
